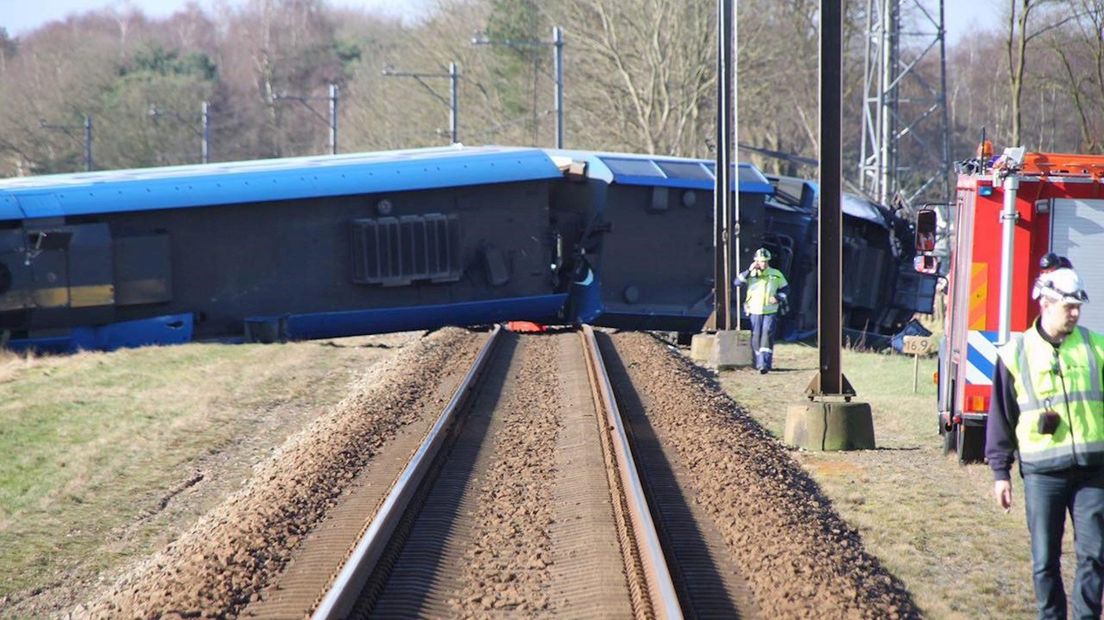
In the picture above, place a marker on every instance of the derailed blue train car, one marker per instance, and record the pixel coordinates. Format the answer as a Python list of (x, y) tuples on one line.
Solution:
[(332, 246), (649, 242), (297, 248), (650, 246), (882, 290)]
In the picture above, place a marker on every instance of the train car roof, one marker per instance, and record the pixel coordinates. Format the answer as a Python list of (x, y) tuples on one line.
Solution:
[(269, 180), (657, 170)]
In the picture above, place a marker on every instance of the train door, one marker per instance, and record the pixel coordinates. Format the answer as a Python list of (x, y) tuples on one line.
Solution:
[(14, 278), (54, 274)]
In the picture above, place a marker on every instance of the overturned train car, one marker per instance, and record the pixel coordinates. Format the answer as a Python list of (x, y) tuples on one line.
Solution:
[(322, 247), (650, 244)]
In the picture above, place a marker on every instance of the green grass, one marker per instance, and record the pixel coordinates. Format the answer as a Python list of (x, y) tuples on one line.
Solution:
[(931, 521), (884, 381), (93, 443)]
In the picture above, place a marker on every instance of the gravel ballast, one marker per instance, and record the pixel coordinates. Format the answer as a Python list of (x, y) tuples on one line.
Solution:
[(225, 559), (797, 556), (509, 561)]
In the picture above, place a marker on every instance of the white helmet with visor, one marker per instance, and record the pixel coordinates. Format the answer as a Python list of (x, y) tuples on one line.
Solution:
[(1063, 285)]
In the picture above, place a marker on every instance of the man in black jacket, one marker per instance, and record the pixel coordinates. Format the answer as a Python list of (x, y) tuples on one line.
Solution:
[(1048, 406)]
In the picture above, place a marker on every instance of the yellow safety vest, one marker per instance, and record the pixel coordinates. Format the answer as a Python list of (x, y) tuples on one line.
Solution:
[(1066, 381), (760, 290)]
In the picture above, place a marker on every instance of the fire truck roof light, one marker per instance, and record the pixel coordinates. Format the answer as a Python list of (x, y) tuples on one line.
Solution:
[(985, 190)]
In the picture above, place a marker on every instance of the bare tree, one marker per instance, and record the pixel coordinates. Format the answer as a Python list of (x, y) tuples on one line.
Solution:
[(1018, 38), (641, 72)]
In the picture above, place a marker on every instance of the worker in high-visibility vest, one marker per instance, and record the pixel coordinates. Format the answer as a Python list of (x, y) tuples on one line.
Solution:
[(766, 296), (1048, 406)]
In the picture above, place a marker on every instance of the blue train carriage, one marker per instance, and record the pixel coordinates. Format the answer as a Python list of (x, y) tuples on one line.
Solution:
[(882, 290), (644, 231), (644, 226), (295, 248)]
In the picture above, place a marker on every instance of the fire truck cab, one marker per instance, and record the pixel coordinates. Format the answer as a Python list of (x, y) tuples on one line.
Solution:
[(1008, 214)]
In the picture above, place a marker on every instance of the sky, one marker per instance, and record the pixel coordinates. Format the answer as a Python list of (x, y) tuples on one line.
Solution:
[(965, 16), (22, 16)]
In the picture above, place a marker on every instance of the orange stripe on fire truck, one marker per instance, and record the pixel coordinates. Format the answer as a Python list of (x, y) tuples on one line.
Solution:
[(979, 293)]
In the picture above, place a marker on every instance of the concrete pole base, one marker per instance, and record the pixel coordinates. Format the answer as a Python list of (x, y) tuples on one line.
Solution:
[(830, 425), (724, 350)]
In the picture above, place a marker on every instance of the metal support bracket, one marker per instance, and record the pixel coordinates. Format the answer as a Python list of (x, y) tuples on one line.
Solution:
[(814, 390)]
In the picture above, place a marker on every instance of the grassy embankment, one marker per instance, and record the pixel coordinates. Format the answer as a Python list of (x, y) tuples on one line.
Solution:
[(103, 452), (930, 520)]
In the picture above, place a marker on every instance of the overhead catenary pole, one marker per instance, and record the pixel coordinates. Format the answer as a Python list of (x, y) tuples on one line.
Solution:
[(905, 112), (67, 129), (557, 45), (88, 143), (204, 131), (733, 245), (453, 102), (946, 180), (722, 188), (830, 420), (333, 119), (557, 62), (205, 123), (891, 25), (830, 234)]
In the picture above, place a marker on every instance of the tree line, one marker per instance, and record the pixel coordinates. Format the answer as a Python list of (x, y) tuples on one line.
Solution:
[(639, 77)]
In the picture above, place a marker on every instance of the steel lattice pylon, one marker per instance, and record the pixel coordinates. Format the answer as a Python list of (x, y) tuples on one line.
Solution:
[(905, 152)]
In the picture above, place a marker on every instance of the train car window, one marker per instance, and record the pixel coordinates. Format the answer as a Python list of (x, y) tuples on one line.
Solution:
[(685, 170), (633, 167)]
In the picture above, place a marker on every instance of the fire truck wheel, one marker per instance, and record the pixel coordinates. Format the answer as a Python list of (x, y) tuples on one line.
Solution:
[(971, 444), (950, 440)]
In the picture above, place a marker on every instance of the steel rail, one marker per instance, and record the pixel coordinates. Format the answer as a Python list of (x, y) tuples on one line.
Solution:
[(339, 600), (661, 589)]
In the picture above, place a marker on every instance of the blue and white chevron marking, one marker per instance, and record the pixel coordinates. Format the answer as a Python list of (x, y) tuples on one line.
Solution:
[(981, 357)]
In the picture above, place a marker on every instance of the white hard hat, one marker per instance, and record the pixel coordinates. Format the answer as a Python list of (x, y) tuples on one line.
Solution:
[(1061, 285)]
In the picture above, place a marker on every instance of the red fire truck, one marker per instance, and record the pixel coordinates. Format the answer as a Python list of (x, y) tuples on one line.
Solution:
[(1008, 213)]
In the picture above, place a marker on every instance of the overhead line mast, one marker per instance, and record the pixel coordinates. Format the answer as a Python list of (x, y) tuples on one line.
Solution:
[(905, 133)]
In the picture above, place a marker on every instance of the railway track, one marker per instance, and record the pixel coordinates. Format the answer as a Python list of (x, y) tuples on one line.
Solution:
[(525, 497)]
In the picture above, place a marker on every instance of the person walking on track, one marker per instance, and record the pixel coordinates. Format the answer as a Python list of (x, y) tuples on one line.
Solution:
[(1048, 405), (766, 295)]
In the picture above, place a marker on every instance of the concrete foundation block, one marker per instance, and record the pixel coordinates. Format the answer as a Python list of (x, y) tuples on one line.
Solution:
[(732, 349), (724, 350), (701, 348), (830, 425)]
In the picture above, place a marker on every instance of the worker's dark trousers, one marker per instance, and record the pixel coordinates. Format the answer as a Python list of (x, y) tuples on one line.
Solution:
[(762, 338), (1048, 498)]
